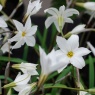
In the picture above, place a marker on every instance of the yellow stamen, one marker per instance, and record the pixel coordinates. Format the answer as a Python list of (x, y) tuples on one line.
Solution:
[(23, 34), (70, 54)]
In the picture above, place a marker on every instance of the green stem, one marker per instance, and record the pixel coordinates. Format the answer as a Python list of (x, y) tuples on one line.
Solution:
[(25, 52)]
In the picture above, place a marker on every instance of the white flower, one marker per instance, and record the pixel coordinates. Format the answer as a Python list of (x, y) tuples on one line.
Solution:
[(70, 52), (49, 63), (24, 35), (59, 18), (27, 89), (19, 80), (33, 7), (91, 47), (87, 5), (2, 22), (78, 29), (29, 68), (5, 48)]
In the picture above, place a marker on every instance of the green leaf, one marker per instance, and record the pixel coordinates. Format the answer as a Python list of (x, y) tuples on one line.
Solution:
[(64, 73), (16, 60), (91, 72), (38, 34), (3, 77), (25, 52)]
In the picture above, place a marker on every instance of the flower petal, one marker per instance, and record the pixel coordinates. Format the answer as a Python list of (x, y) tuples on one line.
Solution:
[(26, 90), (49, 21), (32, 31), (73, 42), (62, 44), (90, 5), (19, 87), (70, 12), (78, 28), (3, 23), (22, 79), (5, 48), (57, 26), (30, 41), (1, 7), (18, 44), (78, 62), (28, 23), (69, 20), (62, 9), (81, 51), (17, 37), (61, 69), (91, 47), (52, 11), (18, 25)]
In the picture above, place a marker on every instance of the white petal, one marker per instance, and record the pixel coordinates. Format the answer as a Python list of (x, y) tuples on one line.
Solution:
[(91, 47), (62, 9), (0, 7), (3, 23), (73, 42), (70, 12), (19, 87), (62, 44), (18, 25), (52, 11), (78, 28), (5, 47), (32, 31), (81, 51), (90, 5), (78, 62), (18, 44), (49, 21), (61, 69), (26, 90), (28, 23), (17, 37), (36, 7), (83, 93), (69, 20), (5, 18), (30, 41), (43, 60), (28, 68), (57, 26), (22, 79)]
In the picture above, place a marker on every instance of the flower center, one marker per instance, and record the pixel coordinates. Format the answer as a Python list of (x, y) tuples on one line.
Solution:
[(60, 21), (23, 34), (70, 54)]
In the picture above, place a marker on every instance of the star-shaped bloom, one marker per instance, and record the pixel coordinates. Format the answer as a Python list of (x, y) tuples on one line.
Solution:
[(87, 5), (2, 22), (49, 63), (24, 35), (91, 47), (19, 80), (70, 51), (29, 68), (33, 8), (59, 17)]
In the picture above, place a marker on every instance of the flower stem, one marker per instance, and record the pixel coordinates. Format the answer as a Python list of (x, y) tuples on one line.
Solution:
[(78, 78)]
